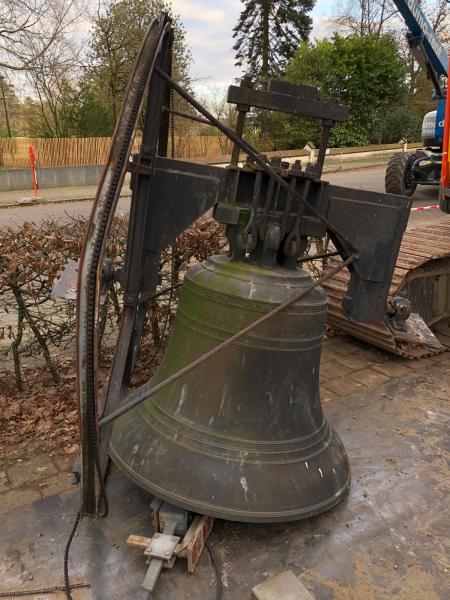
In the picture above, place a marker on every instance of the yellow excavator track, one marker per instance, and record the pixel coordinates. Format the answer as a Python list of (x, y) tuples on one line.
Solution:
[(422, 274)]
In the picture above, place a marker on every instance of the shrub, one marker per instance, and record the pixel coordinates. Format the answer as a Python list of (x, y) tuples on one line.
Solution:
[(32, 257)]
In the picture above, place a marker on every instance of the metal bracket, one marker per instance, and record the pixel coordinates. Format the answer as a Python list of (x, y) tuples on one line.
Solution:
[(289, 98), (136, 168), (164, 547)]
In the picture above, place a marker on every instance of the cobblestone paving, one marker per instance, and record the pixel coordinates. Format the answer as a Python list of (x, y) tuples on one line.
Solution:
[(347, 367), (25, 478)]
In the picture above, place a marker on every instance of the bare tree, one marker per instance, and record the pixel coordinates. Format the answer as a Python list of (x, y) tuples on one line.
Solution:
[(53, 80), (216, 102), (363, 17), (438, 14), (28, 28)]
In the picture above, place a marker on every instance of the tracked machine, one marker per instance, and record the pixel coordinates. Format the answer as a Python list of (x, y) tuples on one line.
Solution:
[(422, 273), (231, 424)]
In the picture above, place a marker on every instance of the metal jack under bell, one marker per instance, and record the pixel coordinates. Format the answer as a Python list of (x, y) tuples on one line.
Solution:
[(243, 436)]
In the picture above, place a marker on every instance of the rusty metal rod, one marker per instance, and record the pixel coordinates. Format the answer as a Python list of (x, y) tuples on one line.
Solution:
[(185, 115), (163, 291), (179, 113), (317, 256), (245, 147), (147, 391)]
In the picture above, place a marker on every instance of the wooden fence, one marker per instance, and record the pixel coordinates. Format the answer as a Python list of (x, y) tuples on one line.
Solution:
[(63, 152)]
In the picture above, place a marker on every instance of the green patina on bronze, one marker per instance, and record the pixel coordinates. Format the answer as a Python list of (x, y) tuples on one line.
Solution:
[(239, 436)]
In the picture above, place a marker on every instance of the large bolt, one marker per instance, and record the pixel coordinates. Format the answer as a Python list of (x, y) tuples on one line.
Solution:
[(275, 161)]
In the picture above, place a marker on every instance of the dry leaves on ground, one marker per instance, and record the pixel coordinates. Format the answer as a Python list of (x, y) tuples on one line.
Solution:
[(44, 411)]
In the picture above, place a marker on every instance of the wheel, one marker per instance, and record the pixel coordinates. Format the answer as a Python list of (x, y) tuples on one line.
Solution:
[(398, 178)]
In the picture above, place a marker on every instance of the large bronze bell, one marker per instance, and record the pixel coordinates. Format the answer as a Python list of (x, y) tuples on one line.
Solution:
[(243, 436)]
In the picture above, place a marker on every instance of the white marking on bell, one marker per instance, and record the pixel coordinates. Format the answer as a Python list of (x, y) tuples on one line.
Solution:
[(244, 487), (222, 400), (211, 421), (306, 464), (183, 397), (320, 471), (270, 397), (295, 484), (314, 370), (135, 449), (334, 471), (242, 456), (252, 290)]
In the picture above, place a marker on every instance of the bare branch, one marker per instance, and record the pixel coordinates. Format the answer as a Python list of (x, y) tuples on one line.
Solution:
[(28, 28)]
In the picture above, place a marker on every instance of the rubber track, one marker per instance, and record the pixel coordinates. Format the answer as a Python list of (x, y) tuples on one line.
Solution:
[(420, 246)]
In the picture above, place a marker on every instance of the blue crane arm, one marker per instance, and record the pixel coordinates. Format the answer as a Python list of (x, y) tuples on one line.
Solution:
[(422, 32)]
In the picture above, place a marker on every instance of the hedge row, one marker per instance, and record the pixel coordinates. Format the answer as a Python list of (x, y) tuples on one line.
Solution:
[(38, 327)]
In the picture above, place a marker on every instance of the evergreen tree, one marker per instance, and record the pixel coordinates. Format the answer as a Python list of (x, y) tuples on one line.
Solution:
[(268, 33)]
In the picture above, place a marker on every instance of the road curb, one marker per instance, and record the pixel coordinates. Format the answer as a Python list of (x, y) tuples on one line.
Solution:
[(48, 202), (128, 194)]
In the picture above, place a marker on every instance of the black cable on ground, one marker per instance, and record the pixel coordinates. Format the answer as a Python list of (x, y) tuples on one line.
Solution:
[(216, 564), (103, 495), (67, 586)]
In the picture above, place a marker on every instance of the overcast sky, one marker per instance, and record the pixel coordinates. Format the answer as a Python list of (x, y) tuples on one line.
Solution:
[(209, 25)]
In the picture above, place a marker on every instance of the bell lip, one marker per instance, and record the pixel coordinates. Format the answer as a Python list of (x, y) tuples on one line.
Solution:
[(228, 514)]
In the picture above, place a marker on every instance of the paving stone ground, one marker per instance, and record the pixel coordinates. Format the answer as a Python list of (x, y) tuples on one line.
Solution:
[(348, 366), (27, 477)]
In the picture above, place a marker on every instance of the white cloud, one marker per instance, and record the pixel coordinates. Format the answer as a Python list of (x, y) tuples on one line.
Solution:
[(196, 11), (211, 40), (322, 27), (209, 31)]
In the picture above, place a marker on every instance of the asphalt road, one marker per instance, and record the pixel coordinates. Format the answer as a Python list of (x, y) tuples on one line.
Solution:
[(367, 178)]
